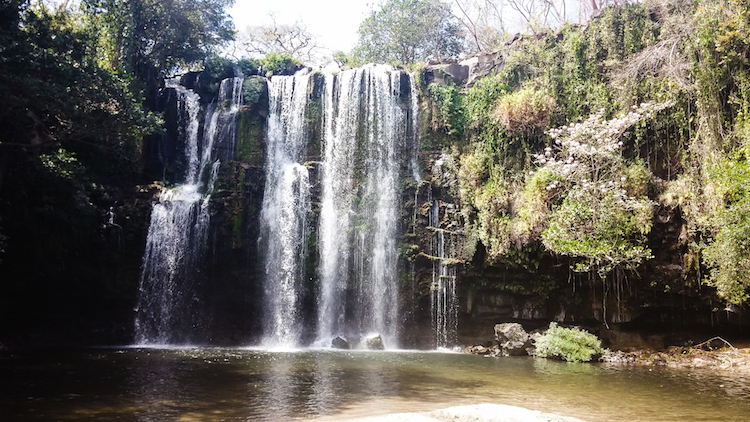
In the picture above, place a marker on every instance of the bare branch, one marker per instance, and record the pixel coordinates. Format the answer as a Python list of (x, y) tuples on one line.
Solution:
[(294, 39)]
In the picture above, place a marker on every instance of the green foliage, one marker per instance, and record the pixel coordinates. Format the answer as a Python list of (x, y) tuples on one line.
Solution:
[(71, 141), (405, 31), (450, 103), (712, 188), (150, 39), (728, 256), (342, 59), (61, 163), (215, 69), (569, 344), (482, 98), (253, 89), (575, 70), (598, 208), (279, 64), (248, 67), (526, 111), (54, 92)]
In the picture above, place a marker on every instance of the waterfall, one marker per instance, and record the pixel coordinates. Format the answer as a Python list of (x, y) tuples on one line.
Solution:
[(286, 204), (365, 131), (166, 312), (444, 247)]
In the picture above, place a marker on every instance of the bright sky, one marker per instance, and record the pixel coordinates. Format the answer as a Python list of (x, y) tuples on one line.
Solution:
[(334, 22)]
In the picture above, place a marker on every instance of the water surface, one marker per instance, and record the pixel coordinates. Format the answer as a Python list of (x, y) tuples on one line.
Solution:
[(210, 384)]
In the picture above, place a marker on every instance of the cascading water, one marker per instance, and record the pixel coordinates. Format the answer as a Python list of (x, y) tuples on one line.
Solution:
[(443, 300), (166, 311), (368, 127), (444, 250), (286, 203), (365, 131)]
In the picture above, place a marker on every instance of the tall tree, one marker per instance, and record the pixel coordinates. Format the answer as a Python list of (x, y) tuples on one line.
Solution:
[(541, 14), (53, 89), (295, 40), (69, 150), (483, 20), (151, 38), (406, 31)]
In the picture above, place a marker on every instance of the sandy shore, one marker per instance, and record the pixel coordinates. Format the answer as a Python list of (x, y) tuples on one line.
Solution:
[(473, 413)]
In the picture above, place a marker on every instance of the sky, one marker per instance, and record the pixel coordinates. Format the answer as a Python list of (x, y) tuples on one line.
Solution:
[(334, 22)]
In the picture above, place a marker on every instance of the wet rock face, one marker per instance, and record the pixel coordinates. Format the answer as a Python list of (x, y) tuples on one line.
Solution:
[(512, 339)]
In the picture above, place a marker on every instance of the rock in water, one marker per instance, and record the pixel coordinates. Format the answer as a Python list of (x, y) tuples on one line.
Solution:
[(339, 343), (374, 342), (512, 339)]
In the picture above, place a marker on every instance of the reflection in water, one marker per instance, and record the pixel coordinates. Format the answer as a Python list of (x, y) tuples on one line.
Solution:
[(551, 367), (230, 384), (323, 397), (156, 388), (283, 386)]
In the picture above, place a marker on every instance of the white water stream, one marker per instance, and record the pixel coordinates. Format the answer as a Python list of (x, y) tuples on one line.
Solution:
[(167, 311), (286, 204)]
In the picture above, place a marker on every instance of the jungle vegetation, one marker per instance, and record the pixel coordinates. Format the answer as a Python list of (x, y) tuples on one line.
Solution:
[(588, 130)]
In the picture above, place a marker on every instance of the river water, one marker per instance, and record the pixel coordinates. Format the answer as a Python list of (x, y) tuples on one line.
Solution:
[(213, 384)]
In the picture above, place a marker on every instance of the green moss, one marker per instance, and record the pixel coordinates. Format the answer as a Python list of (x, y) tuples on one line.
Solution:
[(254, 89), (250, 138)]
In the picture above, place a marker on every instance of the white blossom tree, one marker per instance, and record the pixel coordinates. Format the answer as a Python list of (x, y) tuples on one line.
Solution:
[(599, 211)]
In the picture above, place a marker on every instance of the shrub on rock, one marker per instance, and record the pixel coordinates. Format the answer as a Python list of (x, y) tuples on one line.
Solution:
[(569, 344)]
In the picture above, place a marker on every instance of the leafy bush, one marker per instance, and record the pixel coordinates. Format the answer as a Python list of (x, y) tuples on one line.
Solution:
[(215, 70), (253, 89), (451, 105), (279, 64), (527, 110), (727, 256), (248, 67), (569, 344), (481, 98)]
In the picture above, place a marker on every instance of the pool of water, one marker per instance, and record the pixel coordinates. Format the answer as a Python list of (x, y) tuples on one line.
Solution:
[(212, 384)]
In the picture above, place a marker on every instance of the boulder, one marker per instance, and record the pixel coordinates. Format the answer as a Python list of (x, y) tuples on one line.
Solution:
[(483, 65), (339, 343), (443, 72), (374, 342), (512, 339)]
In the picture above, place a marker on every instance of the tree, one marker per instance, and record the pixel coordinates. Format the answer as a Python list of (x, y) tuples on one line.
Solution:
[(69, 149), (599, 212), (149, 39), (483, 21), (542, 13), (406, 31), (54, 91), (294, 40)]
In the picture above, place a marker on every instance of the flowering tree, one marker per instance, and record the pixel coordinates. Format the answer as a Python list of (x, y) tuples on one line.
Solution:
[(596, 201)]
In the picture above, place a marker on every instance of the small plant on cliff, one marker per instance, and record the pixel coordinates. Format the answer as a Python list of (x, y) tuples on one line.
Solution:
[(450, 103), (568, 344)]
